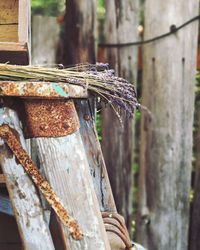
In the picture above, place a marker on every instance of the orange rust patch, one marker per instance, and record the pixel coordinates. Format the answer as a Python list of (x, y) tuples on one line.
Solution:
[(14, 144), (50, 118)]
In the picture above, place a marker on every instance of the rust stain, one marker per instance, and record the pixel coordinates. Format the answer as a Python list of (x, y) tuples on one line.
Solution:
[(50, 118), (13, 143), (50, 90)]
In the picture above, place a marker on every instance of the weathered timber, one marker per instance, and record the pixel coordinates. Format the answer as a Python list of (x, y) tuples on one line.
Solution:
[(26, 206), (80, 28), (166, 135), (65, 165), (14, 31), (45, 39), (81, 49), (120, 26), (95, 158), (9, 21)]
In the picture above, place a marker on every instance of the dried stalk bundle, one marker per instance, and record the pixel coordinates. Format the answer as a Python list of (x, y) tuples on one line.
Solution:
[(97, 78)]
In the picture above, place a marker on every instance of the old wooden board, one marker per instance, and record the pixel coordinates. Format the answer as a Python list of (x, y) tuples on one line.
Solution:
[(9, 20), (166, 135), (65, 165), (26, 205), (94, 154)]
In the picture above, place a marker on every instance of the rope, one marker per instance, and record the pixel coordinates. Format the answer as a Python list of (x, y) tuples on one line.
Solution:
[(173, 30)]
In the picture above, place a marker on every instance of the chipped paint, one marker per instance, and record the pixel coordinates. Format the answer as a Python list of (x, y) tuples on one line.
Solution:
[(42, 90)]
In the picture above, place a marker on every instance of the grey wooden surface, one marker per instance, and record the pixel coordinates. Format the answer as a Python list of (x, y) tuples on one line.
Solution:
[(34, 231), (166, 139)]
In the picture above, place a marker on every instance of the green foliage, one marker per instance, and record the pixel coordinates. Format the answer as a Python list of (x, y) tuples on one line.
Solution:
[(99, 126), (101, 9), (197, 90), (47, 7)]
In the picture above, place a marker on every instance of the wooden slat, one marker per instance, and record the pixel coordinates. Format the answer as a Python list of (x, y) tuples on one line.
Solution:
[(8, 21), (25, 202), (24, 17), (9, 33), (95, 157), (12, 46), (9, 11), (65, 165)]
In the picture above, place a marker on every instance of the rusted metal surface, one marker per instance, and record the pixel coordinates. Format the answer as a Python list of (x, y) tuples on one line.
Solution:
[(50, 118), (42, 89), (115, 224), (10, 136)]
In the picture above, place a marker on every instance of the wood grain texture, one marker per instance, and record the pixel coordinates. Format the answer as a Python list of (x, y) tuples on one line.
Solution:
[(26, 205), (66, 168), (9, 11), (166, 136), (45, 38), (9, 33), (94, 154), (118, 139)]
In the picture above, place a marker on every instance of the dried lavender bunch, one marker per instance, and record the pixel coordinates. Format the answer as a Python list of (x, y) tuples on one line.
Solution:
[(97, 78)]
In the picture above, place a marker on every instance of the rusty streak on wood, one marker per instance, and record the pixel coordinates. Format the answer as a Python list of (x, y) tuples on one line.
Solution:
[(11, 139), (48, 90), (33, 230)]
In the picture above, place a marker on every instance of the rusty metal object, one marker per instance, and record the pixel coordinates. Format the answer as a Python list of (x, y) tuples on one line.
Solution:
[(50, 118), (10, 137), (49, 90), (115, 224)]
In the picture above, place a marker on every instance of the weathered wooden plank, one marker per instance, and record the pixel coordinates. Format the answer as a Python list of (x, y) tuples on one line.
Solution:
[(9, 11), (94, 154), (9, 33), (26, 205), (24, 19), (120, 26), (13, 47), (65, 165), (166, 135), (45, 39)]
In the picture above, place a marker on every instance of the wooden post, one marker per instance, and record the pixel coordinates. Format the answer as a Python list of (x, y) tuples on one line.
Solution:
[(166, 135), (80, 48), (120, 27)]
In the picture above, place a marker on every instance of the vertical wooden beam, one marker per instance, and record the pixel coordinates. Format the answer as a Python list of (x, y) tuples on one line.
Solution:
[(80, 23), (121, 24), (166, 135), (27, 209)]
